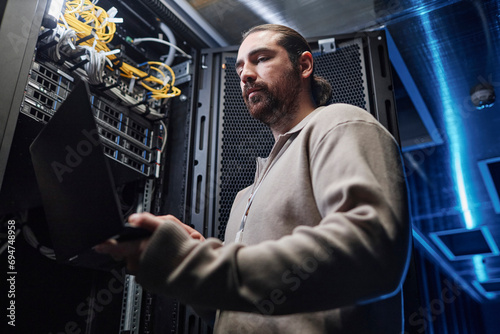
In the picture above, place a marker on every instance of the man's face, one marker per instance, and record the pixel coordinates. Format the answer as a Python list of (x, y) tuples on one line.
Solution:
[(270, 84)]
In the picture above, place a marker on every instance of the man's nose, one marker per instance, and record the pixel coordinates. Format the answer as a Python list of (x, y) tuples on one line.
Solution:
[(248, 74)]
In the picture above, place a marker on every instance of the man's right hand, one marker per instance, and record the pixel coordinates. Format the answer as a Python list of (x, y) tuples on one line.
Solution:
[(131, 251)]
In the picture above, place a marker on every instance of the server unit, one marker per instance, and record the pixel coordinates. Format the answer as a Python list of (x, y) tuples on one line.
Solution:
[(182, 147)]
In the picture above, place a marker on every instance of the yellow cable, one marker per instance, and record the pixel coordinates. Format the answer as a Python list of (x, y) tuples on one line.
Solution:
[(103, 32)]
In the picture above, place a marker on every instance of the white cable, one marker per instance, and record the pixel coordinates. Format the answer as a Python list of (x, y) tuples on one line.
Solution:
[(157, 40), (77, 8), (164, 136), (171, 38)]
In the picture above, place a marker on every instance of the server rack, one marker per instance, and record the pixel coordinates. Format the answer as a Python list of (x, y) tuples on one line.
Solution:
[(41, 63), (208, 147)]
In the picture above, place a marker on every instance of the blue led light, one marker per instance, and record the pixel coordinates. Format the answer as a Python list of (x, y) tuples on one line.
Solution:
[(481, 274), (454, 127), (479, 287)]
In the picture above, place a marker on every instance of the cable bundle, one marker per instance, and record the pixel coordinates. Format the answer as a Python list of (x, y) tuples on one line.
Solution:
[(89, 28)]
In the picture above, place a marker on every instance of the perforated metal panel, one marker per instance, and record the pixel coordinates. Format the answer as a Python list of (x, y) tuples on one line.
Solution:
[(345, 70), (244, 139)]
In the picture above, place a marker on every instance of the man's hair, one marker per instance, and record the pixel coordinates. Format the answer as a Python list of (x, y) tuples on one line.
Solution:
[(295, 45)]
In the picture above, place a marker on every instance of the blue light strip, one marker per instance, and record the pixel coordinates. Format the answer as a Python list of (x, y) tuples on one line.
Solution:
[(454, 126)]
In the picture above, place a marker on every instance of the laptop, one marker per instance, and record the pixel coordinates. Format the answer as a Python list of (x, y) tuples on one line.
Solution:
[(75, 181)]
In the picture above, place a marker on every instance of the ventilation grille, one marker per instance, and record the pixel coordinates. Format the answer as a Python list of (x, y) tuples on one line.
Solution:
[(244, 139), (344, 69)]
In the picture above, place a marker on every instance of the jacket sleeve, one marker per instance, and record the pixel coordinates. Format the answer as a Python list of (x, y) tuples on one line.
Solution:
[(357, 253)]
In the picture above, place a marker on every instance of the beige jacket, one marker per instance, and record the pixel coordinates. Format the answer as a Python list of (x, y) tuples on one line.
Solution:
[(325, 243)]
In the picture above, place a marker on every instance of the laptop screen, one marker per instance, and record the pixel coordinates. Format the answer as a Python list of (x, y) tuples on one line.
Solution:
[(74, 178)]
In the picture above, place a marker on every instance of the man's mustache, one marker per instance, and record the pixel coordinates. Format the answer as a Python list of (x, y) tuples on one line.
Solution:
[(248, 88)]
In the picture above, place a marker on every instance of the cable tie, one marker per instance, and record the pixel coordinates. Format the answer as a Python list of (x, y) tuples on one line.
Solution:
[(112, 52), (119, 64), (45, 34), (166, 80), (112, 12), (78, 54), (84, 39), (116, 84), (144, 77), (116, 20), (131, 85), (47, 45), (104, 22)]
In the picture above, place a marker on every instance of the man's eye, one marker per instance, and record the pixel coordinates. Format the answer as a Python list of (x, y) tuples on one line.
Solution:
[(261, 59)]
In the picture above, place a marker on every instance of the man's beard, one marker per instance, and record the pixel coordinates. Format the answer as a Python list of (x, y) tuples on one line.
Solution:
[(275, 105)]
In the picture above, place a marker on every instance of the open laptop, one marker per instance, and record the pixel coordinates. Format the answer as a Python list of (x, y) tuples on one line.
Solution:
[(78, 192)]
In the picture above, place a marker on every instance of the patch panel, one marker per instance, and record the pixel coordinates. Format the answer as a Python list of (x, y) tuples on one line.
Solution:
[(107, 114), (125, 159), (117, 120), (140, 152), (138, 132), (113, 137), (110, 152), (119, 141), (139, 166), (126, 136), (121, 91), (109, 110)]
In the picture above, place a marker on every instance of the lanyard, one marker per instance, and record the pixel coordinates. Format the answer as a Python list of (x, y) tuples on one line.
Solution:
[(239, 234)]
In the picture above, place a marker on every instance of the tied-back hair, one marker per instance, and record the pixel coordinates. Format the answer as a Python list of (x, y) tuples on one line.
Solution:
[(295, 45)]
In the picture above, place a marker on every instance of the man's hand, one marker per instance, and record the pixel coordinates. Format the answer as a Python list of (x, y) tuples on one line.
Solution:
[(131, 251)]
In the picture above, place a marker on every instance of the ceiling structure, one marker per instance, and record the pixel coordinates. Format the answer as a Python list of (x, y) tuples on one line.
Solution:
[(440, 50)]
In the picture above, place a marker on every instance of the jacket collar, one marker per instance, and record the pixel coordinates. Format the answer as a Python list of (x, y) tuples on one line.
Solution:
[(281, 145)]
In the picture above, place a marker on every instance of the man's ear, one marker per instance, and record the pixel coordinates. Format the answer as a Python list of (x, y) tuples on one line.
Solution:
[(306, 64)]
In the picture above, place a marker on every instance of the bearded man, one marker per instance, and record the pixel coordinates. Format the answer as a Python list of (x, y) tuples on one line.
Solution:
[(320, 242)]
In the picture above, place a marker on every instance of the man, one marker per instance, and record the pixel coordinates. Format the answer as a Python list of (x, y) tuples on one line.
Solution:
[(320, 242)]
